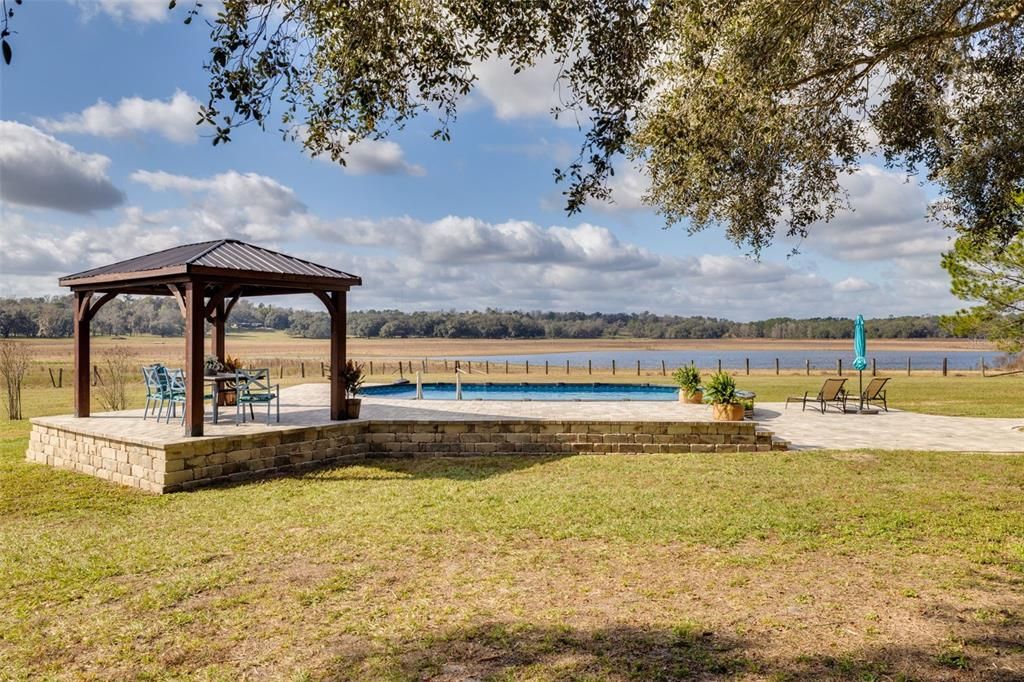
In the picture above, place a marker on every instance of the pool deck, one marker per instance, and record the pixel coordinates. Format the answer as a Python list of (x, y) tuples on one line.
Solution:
[(305, 406)]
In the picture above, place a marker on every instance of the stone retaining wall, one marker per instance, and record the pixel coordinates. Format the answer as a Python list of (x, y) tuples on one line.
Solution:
[(188, 464)]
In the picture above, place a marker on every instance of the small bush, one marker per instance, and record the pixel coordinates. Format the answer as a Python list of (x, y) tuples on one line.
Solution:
[(721, 389), (15, 360), (117, 367), (688, 378)]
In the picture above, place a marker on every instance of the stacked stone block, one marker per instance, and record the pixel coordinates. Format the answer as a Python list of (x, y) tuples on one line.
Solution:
[(192, 463)]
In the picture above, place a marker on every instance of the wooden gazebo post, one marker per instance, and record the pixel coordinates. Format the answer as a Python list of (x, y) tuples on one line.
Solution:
[(82, 366), (195, 335)]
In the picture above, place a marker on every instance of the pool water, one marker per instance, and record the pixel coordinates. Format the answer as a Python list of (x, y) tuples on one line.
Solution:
[(522, 391)]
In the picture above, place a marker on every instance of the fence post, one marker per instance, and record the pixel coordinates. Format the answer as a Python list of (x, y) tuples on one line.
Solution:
[(487, 366), (662, 368), (747, 365), (613, 368), (839, 366), (527, 366), (506, 367), (567, 367), (874, 367), (776, 366), (469, 366), (590, 366), (945, 366), (53, 379), (982, 365), (908, 367), (302, 369), (60, 376), (807, 364), (545, 367), (638, 368), (371, 366), (719, 365)]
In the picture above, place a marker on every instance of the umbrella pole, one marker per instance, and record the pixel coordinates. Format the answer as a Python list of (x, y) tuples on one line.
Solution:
[(860, 389)]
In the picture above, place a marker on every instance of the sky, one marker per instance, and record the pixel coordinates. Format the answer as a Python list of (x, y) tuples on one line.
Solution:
[(101, 160)]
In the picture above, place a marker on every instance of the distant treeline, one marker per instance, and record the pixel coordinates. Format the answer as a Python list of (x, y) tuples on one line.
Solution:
[(128, 315)]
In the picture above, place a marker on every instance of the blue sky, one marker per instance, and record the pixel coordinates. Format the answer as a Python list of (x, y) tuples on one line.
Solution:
[(100, 160)]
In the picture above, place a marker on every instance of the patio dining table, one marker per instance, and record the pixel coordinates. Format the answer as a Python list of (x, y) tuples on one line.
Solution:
[(217, 381)]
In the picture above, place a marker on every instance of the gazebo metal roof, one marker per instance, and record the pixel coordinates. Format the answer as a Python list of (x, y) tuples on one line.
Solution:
[(265, 272)]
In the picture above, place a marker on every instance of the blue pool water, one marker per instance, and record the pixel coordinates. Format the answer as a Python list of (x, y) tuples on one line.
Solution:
[(565, 391)]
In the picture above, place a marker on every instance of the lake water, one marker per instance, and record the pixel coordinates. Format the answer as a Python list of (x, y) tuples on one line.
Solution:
[(759, 359)]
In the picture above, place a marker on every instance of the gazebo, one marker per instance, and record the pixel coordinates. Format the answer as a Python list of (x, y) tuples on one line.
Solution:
[(207, 279)]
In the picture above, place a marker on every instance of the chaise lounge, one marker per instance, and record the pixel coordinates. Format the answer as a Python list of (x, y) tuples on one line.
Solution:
[(831, 393)]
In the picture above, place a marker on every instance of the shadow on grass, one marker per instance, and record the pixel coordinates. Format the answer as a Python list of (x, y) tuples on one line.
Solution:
[(502, 651), (434, 467)]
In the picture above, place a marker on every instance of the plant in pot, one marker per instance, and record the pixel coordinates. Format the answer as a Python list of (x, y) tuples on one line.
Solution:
[(352, 375), (212, 365), (688, 378), (720, 391)]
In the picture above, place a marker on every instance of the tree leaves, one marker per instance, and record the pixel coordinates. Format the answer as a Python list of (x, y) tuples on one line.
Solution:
[(7, 51), (745, 115)]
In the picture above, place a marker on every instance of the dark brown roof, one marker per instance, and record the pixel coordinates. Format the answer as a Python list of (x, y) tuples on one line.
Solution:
[(220, 255)]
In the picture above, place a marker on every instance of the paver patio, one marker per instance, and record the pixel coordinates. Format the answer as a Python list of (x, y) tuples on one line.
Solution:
[(305, 405)]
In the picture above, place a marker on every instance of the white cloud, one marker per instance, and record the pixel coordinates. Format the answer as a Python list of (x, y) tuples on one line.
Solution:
[(531, 93), (174, 119), (379, 157), (852, 285), (370, 157), (231, 204), (142, 11), (888, 221), (39, 170)]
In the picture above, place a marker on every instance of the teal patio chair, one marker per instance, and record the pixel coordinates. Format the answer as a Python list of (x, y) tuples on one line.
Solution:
[(254, 388), (176, 392), (156, 389)]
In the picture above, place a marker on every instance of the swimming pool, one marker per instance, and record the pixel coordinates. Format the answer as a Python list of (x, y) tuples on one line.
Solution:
[(523, 391)]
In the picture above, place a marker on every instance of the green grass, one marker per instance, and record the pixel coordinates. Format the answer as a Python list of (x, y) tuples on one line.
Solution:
[(843, 565)]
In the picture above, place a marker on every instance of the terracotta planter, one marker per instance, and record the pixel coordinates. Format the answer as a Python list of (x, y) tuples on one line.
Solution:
[(695, 398), (352, 406), (727, 413)]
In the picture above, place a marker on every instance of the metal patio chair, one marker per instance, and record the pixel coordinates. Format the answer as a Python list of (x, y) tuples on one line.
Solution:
[(254, 388)]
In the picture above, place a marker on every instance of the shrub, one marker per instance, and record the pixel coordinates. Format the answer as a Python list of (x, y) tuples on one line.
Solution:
[(117, 366), (15, 359), (721, 389), (688, 378), (352, 375)]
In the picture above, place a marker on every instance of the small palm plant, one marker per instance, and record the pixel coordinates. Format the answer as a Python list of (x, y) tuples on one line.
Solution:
[(688, 378), (720, 391)]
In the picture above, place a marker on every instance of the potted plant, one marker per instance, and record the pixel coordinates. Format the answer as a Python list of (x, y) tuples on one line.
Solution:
[(720, 391), (352, 375), (688, 378), (211, 366)]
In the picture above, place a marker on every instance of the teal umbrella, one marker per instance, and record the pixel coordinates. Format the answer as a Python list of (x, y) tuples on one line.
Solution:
[(860, 349)]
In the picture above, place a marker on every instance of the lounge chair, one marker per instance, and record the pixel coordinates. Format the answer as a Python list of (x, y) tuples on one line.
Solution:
[(875, 392), (831, 393)]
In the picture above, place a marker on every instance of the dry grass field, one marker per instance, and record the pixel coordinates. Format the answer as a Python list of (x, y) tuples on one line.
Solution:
[(835, 565)]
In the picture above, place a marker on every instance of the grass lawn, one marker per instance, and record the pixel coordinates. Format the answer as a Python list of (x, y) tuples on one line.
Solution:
[(852, 566)]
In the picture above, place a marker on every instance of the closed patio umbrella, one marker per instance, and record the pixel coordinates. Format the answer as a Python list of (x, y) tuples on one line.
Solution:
[(860, 362)]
